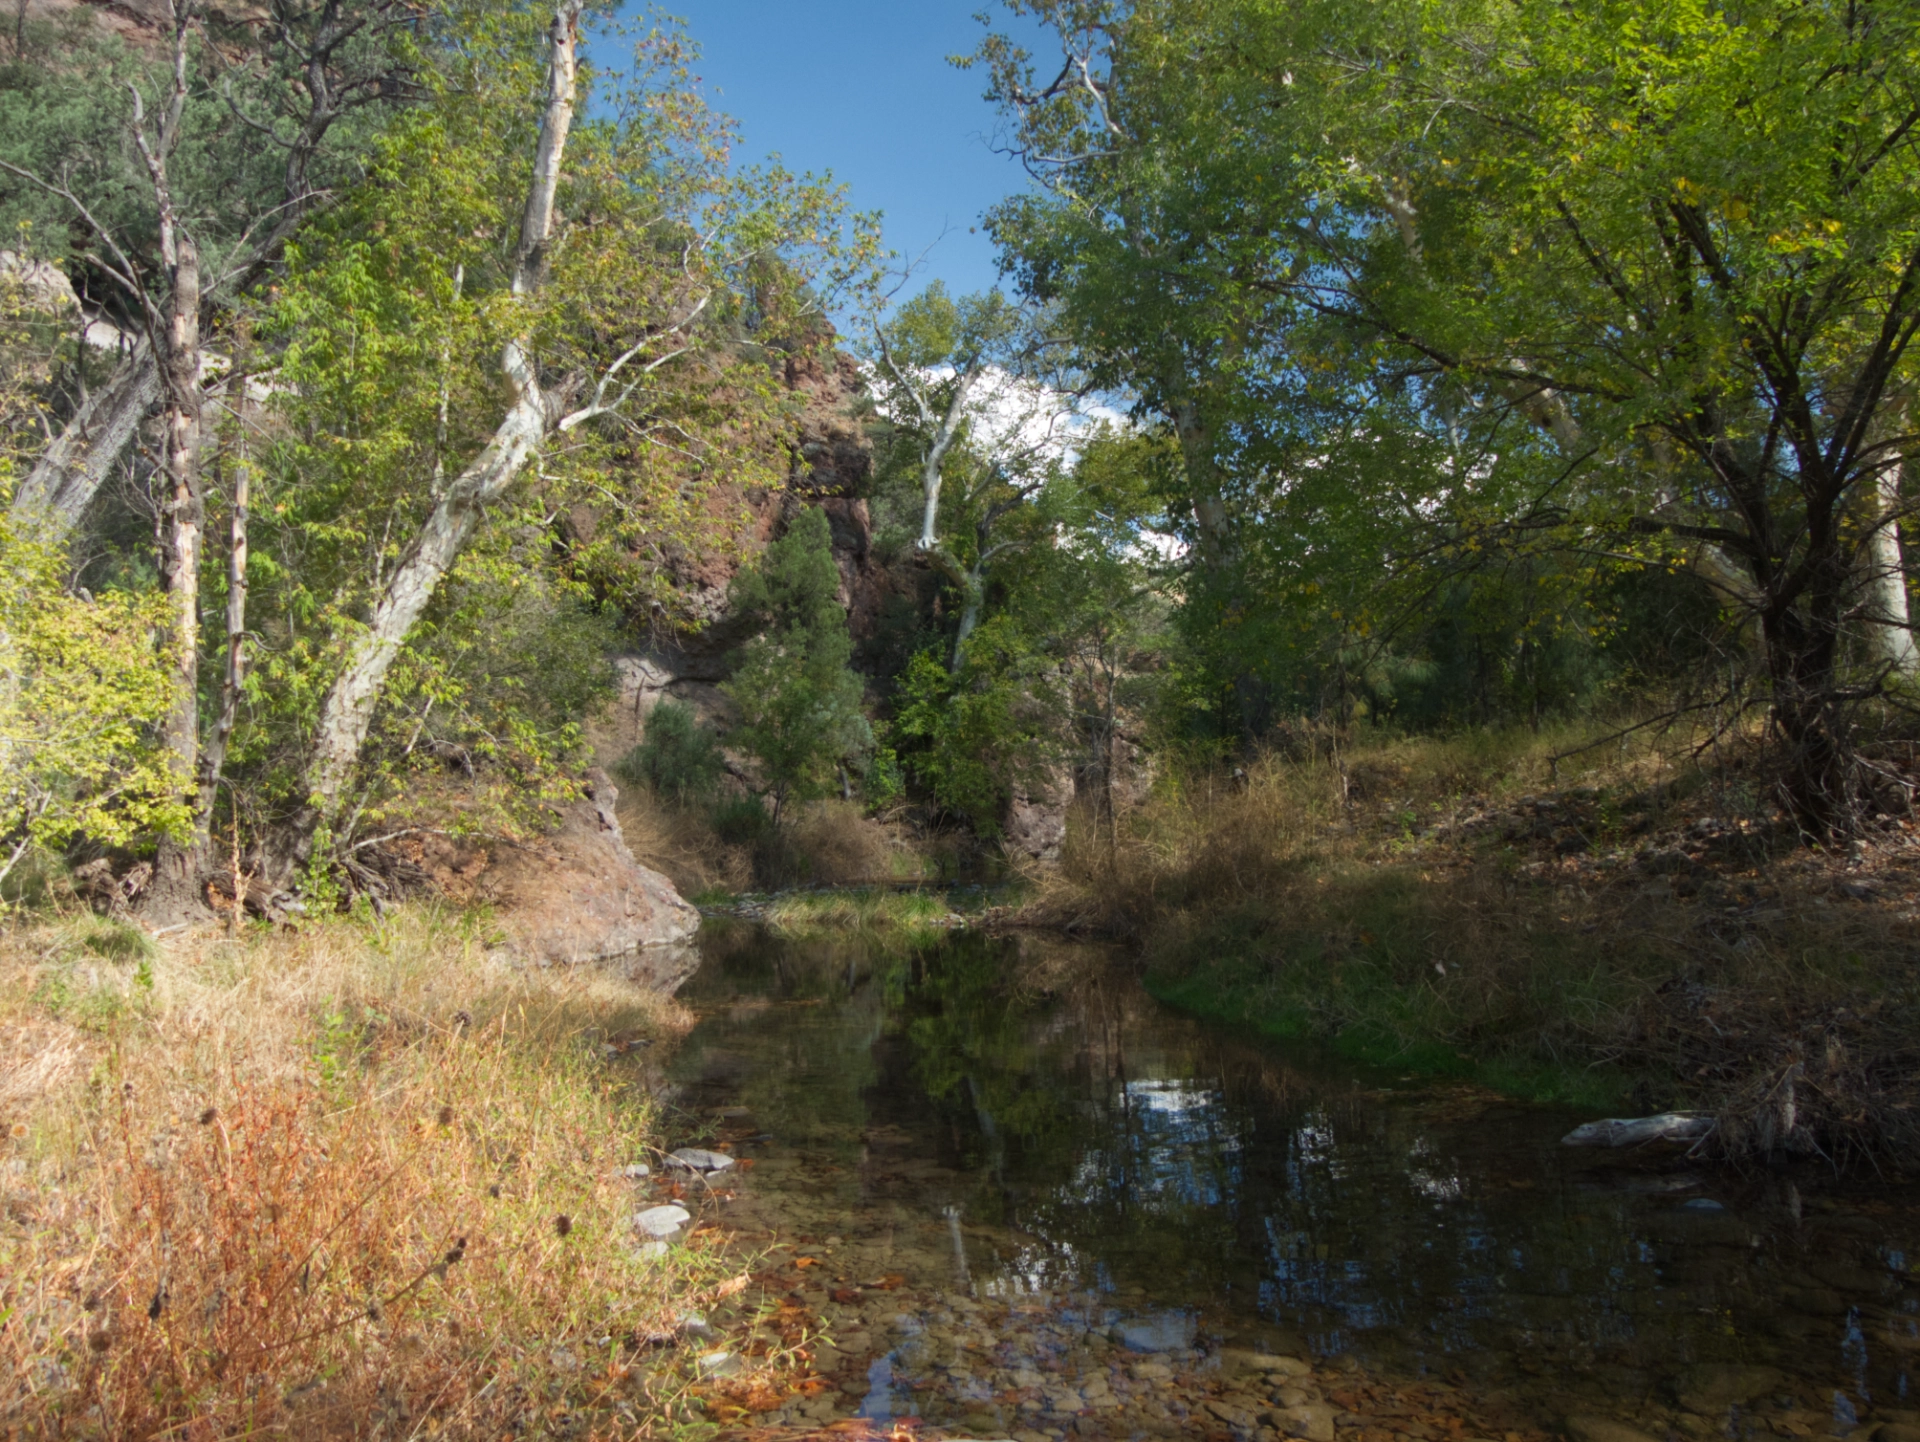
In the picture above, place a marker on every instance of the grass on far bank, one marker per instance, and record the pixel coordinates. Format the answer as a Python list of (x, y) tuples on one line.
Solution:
[(1467, 907), (872, 912), (357, 1180)]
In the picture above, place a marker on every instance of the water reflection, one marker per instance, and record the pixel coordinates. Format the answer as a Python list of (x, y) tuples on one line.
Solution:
[(1076, 1140)]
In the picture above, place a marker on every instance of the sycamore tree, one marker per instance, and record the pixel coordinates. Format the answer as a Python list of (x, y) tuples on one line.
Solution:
[(978, 409), (532, 303), (1068, 659), (1679, 243), (82, 689)]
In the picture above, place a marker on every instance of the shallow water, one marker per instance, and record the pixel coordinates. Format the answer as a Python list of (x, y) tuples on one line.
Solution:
[(986, 1122)]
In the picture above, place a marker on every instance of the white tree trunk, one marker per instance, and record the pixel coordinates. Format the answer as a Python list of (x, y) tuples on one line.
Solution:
[(350, 704), (213, 756), (70, 472), (348, 711), (1891, 623)]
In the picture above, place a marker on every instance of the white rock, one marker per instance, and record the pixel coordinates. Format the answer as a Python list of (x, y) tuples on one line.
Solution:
[(661, 1221), (637, 1172), (719, 1364), (1635, 1131), (694, 1159)]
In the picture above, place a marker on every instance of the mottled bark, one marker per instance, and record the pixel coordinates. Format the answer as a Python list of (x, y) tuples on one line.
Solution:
[(213, 756), (1889, 620), (173, 326), (348, 711)]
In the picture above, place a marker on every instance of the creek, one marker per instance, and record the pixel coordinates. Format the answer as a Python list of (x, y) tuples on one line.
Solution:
[(1008, 1165)]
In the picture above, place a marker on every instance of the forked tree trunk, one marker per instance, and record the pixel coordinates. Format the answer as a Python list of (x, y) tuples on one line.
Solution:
[(348, 711)]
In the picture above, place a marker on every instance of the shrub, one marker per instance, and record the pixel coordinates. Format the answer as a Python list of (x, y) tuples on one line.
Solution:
[(678, 759), (742, 821)]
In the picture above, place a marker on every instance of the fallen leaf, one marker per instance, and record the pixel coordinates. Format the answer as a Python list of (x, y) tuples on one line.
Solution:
[(733, 1286), (806, 1261)]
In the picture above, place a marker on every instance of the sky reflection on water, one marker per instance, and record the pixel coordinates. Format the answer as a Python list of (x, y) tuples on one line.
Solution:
[(1091, 1143)]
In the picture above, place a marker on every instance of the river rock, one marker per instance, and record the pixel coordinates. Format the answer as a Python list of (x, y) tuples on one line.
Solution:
[(1313, 1421), (694, 1159), (1239, 1417), (661, 1222), (578, 896), (1710, 1389), (1235, 1359), (1583, 1428), (1897, 1432)]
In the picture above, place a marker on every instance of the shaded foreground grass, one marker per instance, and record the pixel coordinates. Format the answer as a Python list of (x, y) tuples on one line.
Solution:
[(358, 1181), (1637, 935)]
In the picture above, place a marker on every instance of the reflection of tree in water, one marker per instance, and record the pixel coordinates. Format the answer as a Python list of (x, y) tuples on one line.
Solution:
[(1106, 1143)]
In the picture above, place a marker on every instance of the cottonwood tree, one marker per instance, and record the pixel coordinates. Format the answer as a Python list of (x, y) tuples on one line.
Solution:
[(1680, 241)]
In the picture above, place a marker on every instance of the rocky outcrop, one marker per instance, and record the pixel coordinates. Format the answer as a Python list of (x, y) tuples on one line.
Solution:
[(1036, 822), (578, 895), (829, 463)]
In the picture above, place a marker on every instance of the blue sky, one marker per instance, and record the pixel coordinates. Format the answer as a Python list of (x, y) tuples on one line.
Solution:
[(862, 88)]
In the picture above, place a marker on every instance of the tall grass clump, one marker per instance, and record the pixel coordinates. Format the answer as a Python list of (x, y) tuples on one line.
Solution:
[(350, 1182)]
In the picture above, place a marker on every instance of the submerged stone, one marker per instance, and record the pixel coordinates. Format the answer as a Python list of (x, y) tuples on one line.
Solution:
[(661, 1221), (696, 1159)]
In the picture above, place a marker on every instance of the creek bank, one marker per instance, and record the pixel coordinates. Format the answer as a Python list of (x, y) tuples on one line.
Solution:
[(573, 896), (1652, 940)]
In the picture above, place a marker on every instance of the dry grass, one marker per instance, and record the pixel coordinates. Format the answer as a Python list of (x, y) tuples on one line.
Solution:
[(681, 844), (826, 843), (359, 1181), (1469, 907), (834, 843)]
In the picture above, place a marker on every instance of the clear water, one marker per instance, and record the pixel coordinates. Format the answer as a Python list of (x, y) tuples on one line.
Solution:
[(1021, 1124)]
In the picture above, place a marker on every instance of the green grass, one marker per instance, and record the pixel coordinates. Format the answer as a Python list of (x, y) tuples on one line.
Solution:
[(1441, 979), (1236, 1002), (872, 911)]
